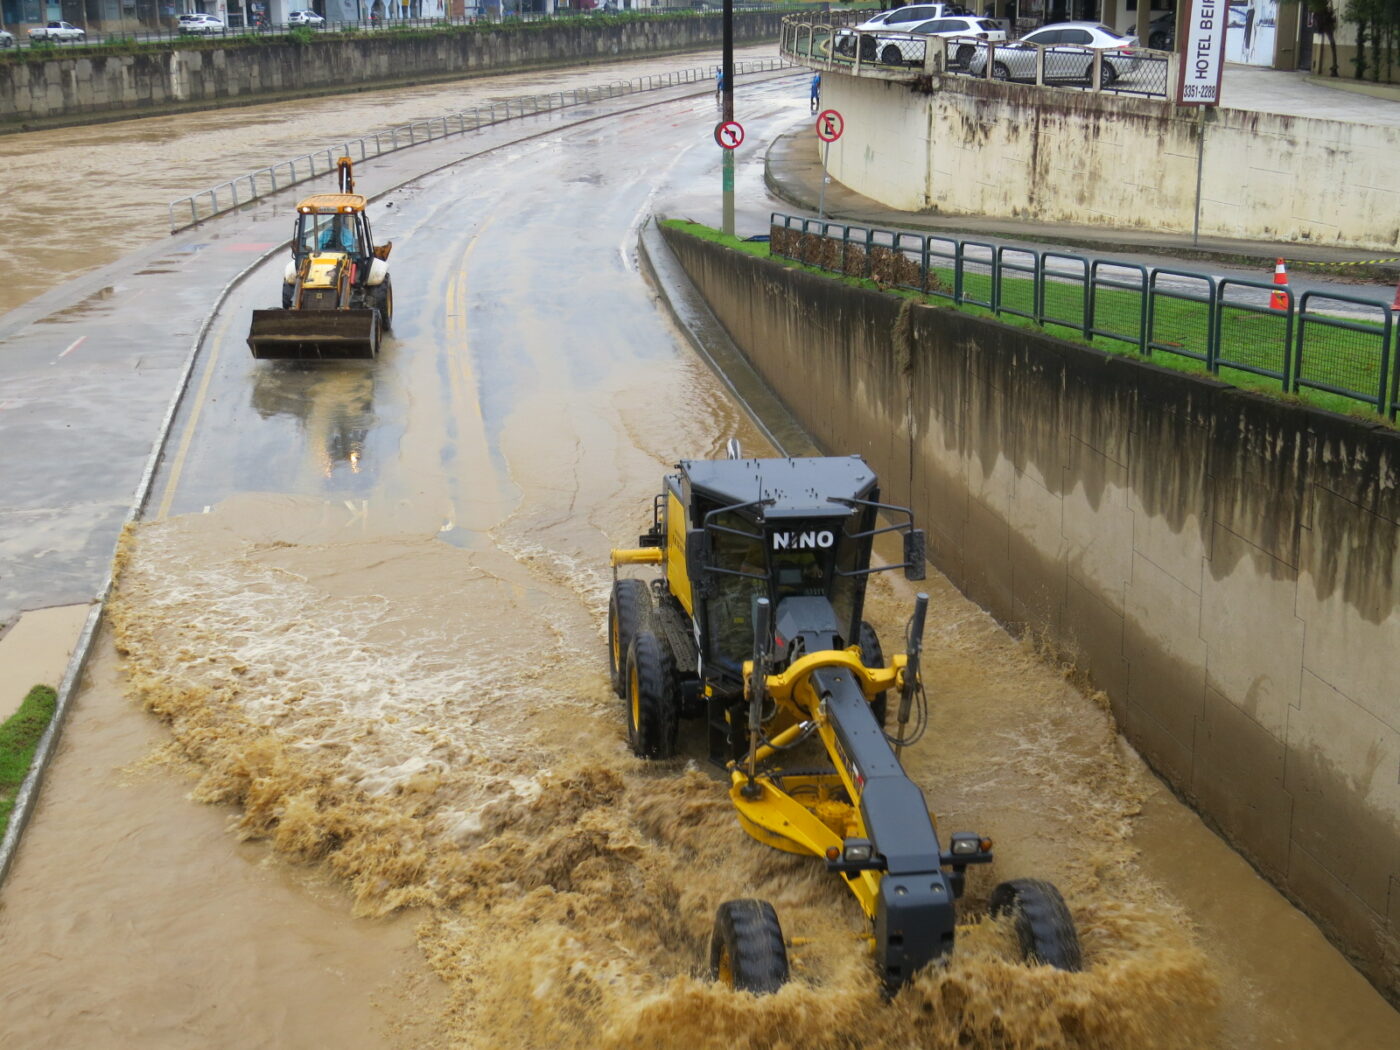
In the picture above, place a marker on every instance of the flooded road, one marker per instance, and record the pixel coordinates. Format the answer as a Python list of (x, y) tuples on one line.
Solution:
[(367, 614)]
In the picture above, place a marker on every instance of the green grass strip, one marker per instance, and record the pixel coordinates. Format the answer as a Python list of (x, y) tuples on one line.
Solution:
[(1342, 357), (19, 736)]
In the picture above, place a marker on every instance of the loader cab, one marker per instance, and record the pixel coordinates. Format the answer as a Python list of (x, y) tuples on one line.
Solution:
[(332, 223)]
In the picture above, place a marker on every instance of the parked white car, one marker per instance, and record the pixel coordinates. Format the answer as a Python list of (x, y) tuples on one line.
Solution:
[(7, 39), (1069, 54), (904, 17), (893, 50), (305, 18), (59, 32), (198, 23), (901, 18)]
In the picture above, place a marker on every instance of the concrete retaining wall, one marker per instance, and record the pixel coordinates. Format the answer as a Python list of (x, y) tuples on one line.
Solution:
[(1221, 564), (62, 88), (976, 148)]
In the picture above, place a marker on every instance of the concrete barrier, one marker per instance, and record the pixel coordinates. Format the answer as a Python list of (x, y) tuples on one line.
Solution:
[(1221, 564), (981, 148), (78, 89)]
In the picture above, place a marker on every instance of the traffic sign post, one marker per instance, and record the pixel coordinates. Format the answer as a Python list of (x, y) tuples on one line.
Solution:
[(729, 134), (830, 124)]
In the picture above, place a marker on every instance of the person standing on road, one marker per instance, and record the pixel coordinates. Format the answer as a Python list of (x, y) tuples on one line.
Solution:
[(816, 91)]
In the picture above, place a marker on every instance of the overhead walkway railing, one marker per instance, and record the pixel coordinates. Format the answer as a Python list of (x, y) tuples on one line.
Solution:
[(893, 55), (1338, 352), (227, 196)]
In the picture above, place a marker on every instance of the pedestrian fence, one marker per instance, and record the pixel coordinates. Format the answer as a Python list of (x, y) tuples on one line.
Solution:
[(885, 53), (235, 193), (1255, 332)]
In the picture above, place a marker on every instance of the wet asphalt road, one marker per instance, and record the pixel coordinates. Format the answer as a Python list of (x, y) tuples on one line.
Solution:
[(92, 367)]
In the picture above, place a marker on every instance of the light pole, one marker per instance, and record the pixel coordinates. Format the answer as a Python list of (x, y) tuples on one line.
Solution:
[(727, 99)]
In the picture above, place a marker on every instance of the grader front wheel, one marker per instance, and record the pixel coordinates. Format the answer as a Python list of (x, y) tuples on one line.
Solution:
[(747, 952), (1044, 926)]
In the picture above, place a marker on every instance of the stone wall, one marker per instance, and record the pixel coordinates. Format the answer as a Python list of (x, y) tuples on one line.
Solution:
[(92, 87), (978, 148), (1221, 564)]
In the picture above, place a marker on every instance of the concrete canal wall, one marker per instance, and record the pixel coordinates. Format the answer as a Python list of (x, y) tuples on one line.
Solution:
[(1221, 564), (87, 87), (979, 148)]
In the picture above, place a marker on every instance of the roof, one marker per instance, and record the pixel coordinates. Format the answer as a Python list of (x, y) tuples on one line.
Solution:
[(797, 487), (331, 203)]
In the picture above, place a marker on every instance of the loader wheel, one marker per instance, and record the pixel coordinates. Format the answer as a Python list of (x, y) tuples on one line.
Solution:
[(289, 292), (1044, 925), (747, 952), (629, 609), (873, 656), (381, 298), (653, 702)]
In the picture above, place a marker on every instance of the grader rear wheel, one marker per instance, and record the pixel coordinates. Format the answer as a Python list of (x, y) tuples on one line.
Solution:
[(653, 701), (747, 952), (629, 609)]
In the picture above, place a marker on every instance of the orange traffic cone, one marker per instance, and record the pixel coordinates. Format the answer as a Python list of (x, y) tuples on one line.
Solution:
[(1396, 305), (1279, 300)]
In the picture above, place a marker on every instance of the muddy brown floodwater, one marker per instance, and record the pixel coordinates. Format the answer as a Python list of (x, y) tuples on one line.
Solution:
[(422, 825)]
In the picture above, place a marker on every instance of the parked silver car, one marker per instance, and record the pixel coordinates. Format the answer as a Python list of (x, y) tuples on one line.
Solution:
[(1069, 54), (7, 39)]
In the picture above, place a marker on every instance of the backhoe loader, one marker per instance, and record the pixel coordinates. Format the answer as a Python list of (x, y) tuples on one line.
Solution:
[(336, 295), (753, 626)]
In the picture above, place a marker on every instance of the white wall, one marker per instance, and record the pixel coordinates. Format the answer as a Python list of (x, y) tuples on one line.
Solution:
[(980, 148)]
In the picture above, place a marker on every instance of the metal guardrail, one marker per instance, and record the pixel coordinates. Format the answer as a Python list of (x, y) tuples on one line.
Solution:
[(1340, 345), (227, 196), (891, 54)]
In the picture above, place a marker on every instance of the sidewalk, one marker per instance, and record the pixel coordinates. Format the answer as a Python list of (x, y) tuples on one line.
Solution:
[(793, 173)]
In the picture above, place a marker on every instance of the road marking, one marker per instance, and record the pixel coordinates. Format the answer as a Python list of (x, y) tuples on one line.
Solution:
[(71, 347), (177, 463)]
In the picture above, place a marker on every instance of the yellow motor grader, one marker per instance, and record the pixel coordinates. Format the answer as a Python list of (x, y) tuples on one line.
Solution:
[(753, 626), (336, 295)]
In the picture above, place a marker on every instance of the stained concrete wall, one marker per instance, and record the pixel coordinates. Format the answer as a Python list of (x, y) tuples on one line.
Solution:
[(1223, 565), (63, 88), (979, 148)]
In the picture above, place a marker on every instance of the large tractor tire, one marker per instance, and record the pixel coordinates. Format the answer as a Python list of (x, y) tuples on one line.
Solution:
[(381, 298), (872, 655), (747, 952), (629, 610), (653, 701), (289, 292), (1044, 926)]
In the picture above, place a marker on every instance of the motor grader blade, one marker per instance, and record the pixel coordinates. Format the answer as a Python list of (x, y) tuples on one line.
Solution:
[(312, 335)]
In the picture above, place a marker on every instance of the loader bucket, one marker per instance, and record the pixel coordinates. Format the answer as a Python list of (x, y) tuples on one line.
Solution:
[(311, 335)]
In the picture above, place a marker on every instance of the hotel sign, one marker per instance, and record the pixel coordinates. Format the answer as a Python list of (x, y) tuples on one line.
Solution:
[(1203, 57)]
